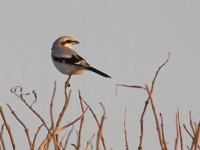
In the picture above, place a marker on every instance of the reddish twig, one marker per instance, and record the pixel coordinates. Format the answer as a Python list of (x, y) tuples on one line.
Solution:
[(142, 124), (89, 142), (52, 118), (188, 132), (36, 134), (78, 145), (179, 129), (156, 118), (99, 134), (61, 141), (1, 138), (196, 139), (67, 99), (177, 133), (146, 104), (163, 133), (24, 126), (129, 86), (8, 128), (20, 96), (125, 131), (95, 117), (191, 123), (59, 130), (68, 136)]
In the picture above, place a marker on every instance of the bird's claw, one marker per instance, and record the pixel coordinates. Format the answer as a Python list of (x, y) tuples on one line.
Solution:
[(67, 84)]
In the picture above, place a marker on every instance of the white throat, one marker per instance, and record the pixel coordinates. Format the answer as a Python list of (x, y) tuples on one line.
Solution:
[(69, 46)]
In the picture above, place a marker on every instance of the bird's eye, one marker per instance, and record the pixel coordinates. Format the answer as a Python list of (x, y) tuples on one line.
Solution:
[(68, 41), (65, 42)]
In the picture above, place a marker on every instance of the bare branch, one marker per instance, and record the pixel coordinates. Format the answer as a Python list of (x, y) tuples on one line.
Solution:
[(35, 98), (58, 130), (156, 75), (129, 86), (78, 145), (60, 143), (163, 133), (68, 136), (89, 142), (191, 123), (188, 131), (1, 138), (196, 137), (146, 104), (125, 132), (156, 117), (95, 117), (20, 96), (8, 128), (67, 85), (99, 134), (52, 118), (36, 134), (180, 131), (195, 144), (24, 126), (67, 98), (177, 133)]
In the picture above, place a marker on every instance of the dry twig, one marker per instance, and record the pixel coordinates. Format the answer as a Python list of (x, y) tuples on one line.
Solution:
[(89, 142), (99, 134), (179, 129), (78, 145), (8, 128), (163, 133), (1, 138), (95, 117), (20, 96), (52, 118), (188, 132), (59, 130), (156, 118), (191, 123), (68, 136), (67, 98), (125, 132), (146, 104), (24, 126), (177, 134), (36, 134)]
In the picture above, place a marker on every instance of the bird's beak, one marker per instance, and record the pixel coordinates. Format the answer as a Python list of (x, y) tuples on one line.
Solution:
[(76, 42)]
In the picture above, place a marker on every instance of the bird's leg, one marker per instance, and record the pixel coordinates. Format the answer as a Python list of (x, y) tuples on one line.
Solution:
[(67, 84)]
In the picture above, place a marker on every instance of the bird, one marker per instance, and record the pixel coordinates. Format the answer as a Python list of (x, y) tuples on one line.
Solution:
[(67, 60)]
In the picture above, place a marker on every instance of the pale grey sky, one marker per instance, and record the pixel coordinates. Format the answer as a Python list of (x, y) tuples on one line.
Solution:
[(128, 39)]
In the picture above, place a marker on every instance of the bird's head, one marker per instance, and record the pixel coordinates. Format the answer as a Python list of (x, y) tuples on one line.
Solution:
[(66, 41)]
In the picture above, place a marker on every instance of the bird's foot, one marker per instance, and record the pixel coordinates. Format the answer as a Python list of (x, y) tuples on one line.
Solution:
[(67, 84)]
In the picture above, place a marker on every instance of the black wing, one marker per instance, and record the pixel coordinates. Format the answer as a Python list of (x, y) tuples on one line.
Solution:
[(74, 60)]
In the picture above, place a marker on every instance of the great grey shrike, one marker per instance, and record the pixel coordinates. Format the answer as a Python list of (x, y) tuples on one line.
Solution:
[(67, 60)]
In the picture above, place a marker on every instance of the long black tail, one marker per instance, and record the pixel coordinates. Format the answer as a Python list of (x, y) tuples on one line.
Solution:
[(98, 72)]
